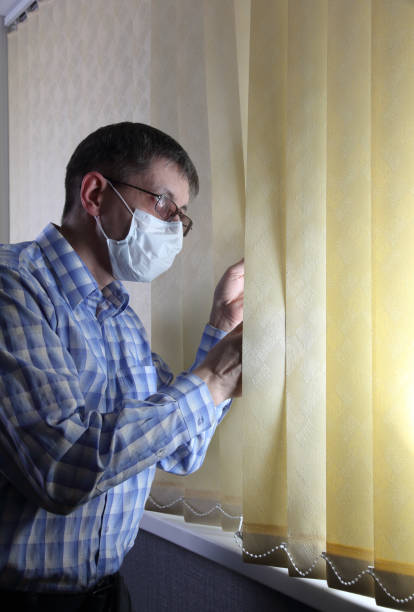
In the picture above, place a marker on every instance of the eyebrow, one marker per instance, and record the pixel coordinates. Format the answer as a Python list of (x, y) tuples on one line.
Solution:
[(167, 192), (170, 195)]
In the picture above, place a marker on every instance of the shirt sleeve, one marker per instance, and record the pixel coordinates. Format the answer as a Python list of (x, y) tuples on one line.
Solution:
[(58, 452), (189, 457)]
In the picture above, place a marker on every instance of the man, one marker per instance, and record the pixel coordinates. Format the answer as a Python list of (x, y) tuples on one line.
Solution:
[(87, 411)]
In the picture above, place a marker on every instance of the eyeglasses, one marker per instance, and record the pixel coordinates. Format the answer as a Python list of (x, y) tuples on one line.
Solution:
[(164, 207)]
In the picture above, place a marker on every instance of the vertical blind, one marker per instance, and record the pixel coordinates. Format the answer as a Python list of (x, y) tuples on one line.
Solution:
[(299, 117), (327, 438)]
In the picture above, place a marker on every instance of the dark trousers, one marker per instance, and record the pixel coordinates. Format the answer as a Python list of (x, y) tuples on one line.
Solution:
[(110, 595)]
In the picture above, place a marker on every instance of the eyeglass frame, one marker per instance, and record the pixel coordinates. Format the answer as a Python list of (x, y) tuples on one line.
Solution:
[(159, 196)]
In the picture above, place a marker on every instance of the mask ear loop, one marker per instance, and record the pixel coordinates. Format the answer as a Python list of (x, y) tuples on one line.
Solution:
[(121, 198), (98, 218)]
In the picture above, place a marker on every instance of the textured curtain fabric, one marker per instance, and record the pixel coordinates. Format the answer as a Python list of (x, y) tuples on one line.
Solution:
[(299, 117), (328, 365), (201, 65)]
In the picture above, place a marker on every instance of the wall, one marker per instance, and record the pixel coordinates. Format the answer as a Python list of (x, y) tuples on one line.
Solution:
[(70, 72), (163, 577)]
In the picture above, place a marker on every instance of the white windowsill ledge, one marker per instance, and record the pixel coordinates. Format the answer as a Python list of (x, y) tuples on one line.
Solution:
[(216, 545)]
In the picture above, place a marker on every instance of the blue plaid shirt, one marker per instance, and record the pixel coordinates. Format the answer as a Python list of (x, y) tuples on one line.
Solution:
[(87, 413)]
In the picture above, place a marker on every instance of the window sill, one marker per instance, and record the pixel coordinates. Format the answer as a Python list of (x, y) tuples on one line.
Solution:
[(214, 544)]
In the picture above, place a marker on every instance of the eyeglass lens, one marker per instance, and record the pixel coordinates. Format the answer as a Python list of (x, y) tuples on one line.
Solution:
[(166, 209)]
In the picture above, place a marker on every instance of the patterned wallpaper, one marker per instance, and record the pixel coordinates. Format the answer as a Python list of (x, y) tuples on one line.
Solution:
[(73, 66)]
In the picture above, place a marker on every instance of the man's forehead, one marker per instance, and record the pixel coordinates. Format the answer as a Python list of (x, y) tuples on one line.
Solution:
[(164, 176)]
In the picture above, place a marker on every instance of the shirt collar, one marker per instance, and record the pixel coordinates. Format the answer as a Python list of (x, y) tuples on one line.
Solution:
[(71, 273)]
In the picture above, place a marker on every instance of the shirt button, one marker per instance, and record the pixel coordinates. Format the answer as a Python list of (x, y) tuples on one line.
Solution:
[(200, 420), (161, 453)]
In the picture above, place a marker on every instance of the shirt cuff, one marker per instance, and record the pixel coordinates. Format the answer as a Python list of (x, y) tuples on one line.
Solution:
[(215, 332), (224, 408), (194, 402), (211, 335)]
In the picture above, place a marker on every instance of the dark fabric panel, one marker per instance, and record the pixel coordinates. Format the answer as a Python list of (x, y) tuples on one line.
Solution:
[(164, 577)]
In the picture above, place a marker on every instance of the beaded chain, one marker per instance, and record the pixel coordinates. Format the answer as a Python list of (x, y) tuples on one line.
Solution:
[(218, 507), (238, 538)]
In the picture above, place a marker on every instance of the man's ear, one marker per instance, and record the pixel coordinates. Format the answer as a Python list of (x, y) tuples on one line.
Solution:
[(91, 192)]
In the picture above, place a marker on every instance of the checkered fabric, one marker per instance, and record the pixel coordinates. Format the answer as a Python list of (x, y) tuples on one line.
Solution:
[(87, 413)]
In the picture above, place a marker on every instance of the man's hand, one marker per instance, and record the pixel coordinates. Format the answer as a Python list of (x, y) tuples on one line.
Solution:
[(221, 368), (227, 310)]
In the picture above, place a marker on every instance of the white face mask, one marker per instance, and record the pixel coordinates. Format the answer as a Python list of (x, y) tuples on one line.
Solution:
[(148, 250)]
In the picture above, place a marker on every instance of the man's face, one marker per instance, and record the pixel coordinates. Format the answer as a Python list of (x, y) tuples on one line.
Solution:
[(162, 177)]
